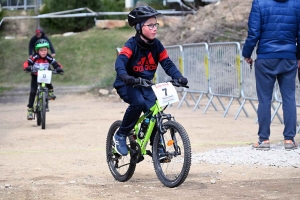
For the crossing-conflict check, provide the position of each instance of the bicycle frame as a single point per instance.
(38, 97)
(154, 111)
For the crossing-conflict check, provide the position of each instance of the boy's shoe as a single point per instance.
(264, 145)
(290, 145)
(120, 144)
(51, 95)
(30, 114)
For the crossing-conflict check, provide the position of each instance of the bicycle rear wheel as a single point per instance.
(43, 110)
(120, 167)
(174, 168)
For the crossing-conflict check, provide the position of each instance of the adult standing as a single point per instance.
(39, 34)
(274, 26)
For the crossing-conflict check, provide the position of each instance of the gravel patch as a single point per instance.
(277, 156)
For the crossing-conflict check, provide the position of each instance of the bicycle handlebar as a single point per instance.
(53, 71)
(146, 83)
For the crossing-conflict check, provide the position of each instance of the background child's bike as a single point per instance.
(41, 102)
(171, 149)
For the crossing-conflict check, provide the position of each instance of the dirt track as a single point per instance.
(67, 160)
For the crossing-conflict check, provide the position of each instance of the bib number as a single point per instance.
(44, 76)
(165, 93)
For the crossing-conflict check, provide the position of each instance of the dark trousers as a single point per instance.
(33, 89)
(139, 100)
(266, 73)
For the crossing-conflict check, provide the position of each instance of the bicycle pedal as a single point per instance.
(149, 153)
(165, 160)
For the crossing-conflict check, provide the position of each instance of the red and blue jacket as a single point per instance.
(143, 62)
(38, 62)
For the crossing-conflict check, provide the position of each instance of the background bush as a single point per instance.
(77, 24)
(74, 24)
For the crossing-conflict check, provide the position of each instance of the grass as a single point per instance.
(3, 89)
(87, 58)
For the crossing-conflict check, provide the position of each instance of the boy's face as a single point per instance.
(43, 52)
(149, 28)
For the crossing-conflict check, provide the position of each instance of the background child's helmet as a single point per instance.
(41, 43)
(141, 14)
(39, 30)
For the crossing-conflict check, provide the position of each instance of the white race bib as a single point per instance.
(44, 76)
(165, 93)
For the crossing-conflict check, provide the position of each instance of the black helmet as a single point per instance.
(140, 14)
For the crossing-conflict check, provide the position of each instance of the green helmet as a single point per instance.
(41, 43)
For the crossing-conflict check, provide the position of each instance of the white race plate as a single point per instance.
(44, 76)
(165, 93)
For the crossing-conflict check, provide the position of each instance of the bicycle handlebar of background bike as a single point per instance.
(53, 71)
(146, 83)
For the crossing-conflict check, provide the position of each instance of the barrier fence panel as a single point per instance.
(248, 87)
(224, 73)
(196, 69)
(175, 53)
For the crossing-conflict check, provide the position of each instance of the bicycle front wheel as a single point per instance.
(172, 155)
(38, 115)
(43, 110)
(120, 167)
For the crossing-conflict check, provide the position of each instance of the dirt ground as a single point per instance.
(67, 159)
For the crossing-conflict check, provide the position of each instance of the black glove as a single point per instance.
(182, 80)
(28, 69)
(59, 70)
(129, 80)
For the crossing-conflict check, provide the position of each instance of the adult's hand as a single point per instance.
(249, 61)
(53, 55)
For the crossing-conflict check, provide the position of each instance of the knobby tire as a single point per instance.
(38, 110)
(166, 171)
(43, 110)
(114, 160)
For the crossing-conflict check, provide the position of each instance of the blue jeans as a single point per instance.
(266, 73)
(139, 100)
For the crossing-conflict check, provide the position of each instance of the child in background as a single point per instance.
(40, 60)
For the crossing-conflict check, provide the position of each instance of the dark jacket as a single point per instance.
(275, 25)
(33, 41)
(143, 62)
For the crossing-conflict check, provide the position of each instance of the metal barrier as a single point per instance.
(176, 55)
(224, 73)
(196, 59)
(248, 86)
(25, 4)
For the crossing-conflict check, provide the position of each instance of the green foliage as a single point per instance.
(75, 24)
(112, 6)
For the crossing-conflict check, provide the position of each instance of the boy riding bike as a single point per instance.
(40, 60)
(139, 59)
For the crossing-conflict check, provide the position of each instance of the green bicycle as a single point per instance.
(173, 164)
(41, 101)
